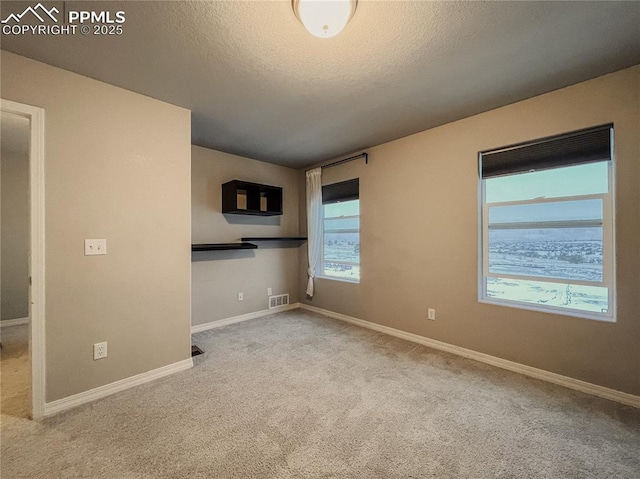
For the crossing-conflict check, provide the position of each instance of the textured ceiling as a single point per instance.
(260, 86)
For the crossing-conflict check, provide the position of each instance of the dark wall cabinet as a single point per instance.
(244, 198)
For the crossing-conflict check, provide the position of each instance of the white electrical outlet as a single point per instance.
(99, 350)
(431, 314)
(95, 246)
(269, 291)
(240, 296)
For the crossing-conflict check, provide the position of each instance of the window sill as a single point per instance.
(341, 280)
(541, 309)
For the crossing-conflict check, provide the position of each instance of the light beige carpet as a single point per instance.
(15, 399)
(297, 395)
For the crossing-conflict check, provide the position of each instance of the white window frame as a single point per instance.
(325, 275)
(608, 251)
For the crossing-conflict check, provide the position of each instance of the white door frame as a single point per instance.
(37, 250)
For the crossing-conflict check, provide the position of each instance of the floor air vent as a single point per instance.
(279, 300)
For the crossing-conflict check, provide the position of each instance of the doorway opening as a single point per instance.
(22, 260)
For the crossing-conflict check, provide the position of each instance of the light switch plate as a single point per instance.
(95, 246)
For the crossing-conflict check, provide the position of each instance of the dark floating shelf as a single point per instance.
(276, 238)
(222, 246)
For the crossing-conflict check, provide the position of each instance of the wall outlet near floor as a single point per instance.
(99, 350)
(240, 296)
(269, 291)
(431, 314)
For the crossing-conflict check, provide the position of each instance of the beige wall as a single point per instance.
(14, 215)
(218, 276)
(117, 166)
(419, 238)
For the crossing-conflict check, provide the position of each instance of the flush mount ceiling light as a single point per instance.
(324, 18)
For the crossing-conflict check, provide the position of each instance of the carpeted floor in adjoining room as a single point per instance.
(15, 376)
(298, 395)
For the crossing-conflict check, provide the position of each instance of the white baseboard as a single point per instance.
(13, 322)
(575, 384)
(243, 317)
(69, 402)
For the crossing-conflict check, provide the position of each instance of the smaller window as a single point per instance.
(341, 230)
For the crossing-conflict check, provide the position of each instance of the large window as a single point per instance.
(547, 225)
(341, 230)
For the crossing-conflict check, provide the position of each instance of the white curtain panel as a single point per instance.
(314, 224)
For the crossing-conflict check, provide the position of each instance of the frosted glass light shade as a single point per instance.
(324, 18)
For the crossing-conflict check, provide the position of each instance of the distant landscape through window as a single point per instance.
(341, 255)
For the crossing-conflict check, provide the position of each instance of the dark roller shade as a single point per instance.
(584, 146)
(343, 191)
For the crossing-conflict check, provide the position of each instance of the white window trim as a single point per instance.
(608, 252)
(339, 278)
